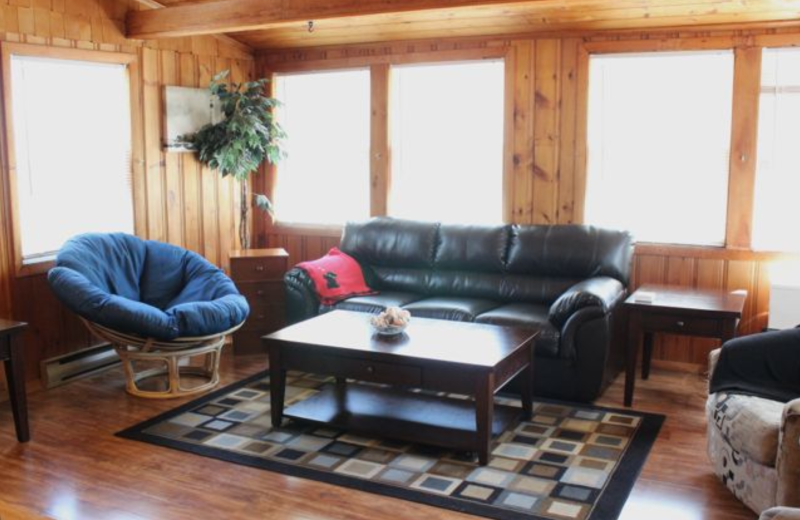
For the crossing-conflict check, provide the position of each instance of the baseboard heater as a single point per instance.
(77, 365)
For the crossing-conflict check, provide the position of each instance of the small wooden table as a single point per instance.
(11, 352)
(443, 356)
(677, 310)
(258, 274)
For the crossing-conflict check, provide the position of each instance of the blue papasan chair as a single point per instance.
(161, 307)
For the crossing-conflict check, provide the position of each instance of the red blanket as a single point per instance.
(337, 276)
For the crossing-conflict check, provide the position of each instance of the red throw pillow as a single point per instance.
(337, 276)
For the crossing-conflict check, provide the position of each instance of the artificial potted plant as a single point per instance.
(247, 135)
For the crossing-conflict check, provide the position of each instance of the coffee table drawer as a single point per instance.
(681, 324)
(353, 368)
(391, 374)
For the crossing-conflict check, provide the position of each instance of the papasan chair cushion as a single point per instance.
(146, 288)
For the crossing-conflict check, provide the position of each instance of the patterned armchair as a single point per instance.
(754, 446)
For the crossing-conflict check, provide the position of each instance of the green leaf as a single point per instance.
(247, 136)
(263, 203)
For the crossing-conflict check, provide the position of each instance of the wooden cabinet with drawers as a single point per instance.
(258, 274)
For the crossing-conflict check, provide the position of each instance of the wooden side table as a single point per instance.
(258, 274)
(11, 352)
(677, 310)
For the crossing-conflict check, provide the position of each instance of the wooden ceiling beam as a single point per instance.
(153, 5)
(231, 16)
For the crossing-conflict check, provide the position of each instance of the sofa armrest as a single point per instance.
(788, 463)
(601, 292)
(301, 296)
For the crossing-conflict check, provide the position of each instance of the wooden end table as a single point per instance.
(11, 352)
(677, 310)
(444, 356)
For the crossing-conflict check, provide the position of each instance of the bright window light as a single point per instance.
(72, 148)
(325, 178)
(447, 142)
(658, 145)
(778, 166)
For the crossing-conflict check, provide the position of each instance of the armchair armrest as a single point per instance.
(780, 513)
(301, 297)
(788, 463)
(601, 292)
(713, 358)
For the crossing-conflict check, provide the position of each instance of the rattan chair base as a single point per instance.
(175, 356)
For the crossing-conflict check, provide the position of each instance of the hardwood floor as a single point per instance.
(74, 468)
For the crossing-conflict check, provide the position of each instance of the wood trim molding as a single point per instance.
(582, 131)
(744, 145)
(710, 253)
(380, 139)
(363, 61)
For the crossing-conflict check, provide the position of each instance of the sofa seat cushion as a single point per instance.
(378, 302)
(446, 308)
(527, 315)
(751, 425)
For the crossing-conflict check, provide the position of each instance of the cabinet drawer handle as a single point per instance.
(681, 324)
(260, 292)
(260, 316)
(370, 370)
(259, 268)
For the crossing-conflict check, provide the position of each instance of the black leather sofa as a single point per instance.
(567, 281)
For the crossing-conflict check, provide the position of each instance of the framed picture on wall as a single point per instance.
(187, 111)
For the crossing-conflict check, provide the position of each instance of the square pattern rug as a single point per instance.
(570, 461)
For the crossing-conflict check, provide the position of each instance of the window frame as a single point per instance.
(744, 130)
(29, 267)
(380, 126)
(639, 51)
(505, 210)
(306, 227)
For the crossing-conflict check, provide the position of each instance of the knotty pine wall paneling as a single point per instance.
(176, 200)
(545, 182)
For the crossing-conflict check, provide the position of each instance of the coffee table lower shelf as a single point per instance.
(400, 415)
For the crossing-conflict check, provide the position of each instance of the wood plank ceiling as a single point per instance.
(271, 24)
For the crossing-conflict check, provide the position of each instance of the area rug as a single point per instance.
(570, 461)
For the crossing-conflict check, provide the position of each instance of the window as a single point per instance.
(778, 166)
(658, 145)
(71, 131)
(447, 142)
(325, 178)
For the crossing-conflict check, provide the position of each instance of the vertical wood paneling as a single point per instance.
(380, 159)
(154, 174)
(523, 117)
(565, 208)
(546, 95)
(173, 176)
(209, 217)
(192, 201)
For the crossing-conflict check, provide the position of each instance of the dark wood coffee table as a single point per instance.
(438, 355)
(677, 310)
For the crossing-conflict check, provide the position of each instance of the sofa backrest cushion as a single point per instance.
(506, 263)
(570, 251)
(389, 242)
(472, 248)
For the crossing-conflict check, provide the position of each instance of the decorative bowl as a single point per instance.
(391, 322)
(389, 330)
